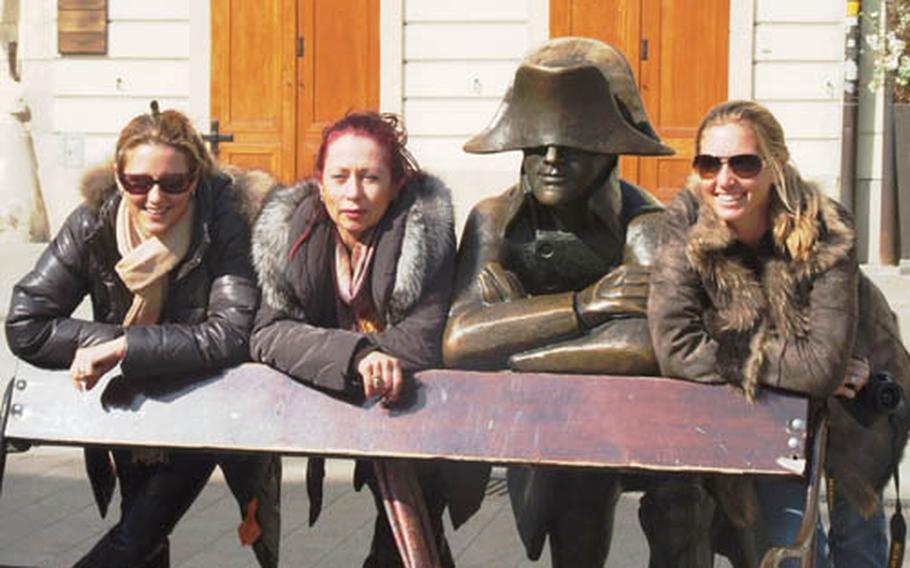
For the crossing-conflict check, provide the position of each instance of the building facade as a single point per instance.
(444, 67)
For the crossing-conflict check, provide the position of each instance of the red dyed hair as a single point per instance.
(386, 129)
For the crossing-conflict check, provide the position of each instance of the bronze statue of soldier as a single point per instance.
(552, 277)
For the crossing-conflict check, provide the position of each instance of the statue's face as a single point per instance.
(559, 175)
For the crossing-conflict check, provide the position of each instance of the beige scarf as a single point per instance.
(144, 265)
(147, 260)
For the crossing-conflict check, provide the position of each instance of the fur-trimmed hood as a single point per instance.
(97, 185)
(789, 314)
(751, 301)
(428, 238)
(710, 240)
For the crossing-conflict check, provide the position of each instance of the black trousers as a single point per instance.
(574, 507)
(153, 498)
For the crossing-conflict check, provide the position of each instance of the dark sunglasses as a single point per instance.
(743, 165)
(140, 184)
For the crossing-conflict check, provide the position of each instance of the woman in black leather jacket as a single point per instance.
(161, 246)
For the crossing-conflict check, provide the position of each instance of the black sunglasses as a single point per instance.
(743, 165)
(140, 184)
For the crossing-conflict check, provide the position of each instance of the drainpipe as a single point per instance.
(851, 104)
(888, 231)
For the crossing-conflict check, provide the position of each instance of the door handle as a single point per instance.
(214, 138)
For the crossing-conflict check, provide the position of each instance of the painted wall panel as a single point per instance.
(799, 42)
(37, 29)
(157, 10)
(799, 10)
(472, 79)
(99, 148)
(817, 159)
(813, 119)
(468, 40)
(103, 115)
(107, 77)
(461, 117)
(798, 81)
(444, 152)
(146, 39)
(466, 10)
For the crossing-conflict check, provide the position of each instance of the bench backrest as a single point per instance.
(641, 423)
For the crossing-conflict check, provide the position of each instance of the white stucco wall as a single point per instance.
(445, 66)
(457, 61)
(79, 103)
(798, 73)
(799, 53)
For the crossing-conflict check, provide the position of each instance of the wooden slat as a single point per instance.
(82, 27)
(82, 43)
(621, 422)
(82, 21)
(81, 4)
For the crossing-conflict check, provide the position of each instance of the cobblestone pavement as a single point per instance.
(48, 518)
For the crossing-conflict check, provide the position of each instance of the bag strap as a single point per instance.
(898, 526)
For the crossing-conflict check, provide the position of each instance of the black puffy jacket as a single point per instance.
(205, 322)
(211, 297)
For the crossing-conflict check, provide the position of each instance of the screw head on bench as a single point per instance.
(796, 425)
(793, 442)
(16, 410)
(20, 384)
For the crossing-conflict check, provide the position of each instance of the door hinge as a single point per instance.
(299, 46)
(644, 49)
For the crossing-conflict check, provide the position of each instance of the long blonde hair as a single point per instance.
(795, 202)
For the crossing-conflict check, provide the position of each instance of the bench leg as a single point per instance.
(804, 547)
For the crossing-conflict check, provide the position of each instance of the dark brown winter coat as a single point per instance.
(296, 330)
(721, 312)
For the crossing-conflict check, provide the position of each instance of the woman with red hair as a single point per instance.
(355, 267)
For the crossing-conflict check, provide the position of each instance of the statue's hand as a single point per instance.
(499, 285)
(622, 291)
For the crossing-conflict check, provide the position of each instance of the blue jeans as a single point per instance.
(855, 542)
(781, 504)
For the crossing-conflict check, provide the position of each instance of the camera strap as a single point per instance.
(898, 526)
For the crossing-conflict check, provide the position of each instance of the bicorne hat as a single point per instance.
(575, 92)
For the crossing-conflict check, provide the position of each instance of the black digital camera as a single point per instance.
(881, 396)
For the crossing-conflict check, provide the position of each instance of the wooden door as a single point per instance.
(282, 69)
(253, 83)
(340, 68)
(678, 51)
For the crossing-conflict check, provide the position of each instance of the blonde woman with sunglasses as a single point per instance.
(162, 248)
(757, 285)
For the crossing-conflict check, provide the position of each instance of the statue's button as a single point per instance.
(545, 250)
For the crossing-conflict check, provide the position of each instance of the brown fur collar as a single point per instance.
(97, 185)
(749, 302)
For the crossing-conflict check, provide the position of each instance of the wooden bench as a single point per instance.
(640, 424)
